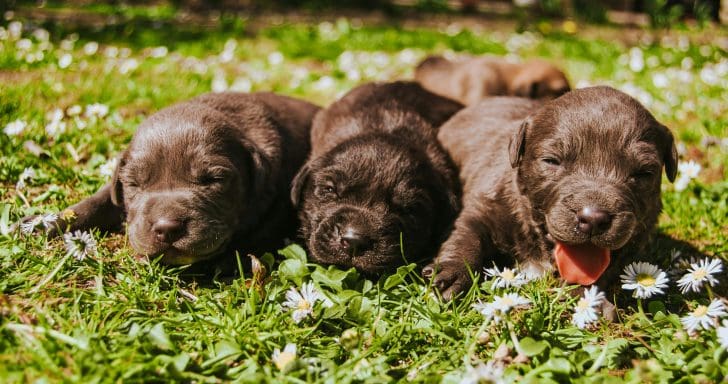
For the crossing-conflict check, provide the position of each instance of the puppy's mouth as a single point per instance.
(375, 260)
(173, 254)
(581, 264)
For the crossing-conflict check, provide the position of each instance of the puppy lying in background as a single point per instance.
(378, 188)
(205, 177)
(575, 182)
(472, 79)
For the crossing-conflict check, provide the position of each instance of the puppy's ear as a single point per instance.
(525, 88)
(117, 188)
(299, 181)
(669, 151)
(518, 143)
(259, 167)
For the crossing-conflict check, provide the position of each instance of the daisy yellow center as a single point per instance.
(645, 280)
(304, 305)
(284, 359)
(508, 301)
(700, 311)
(699, 274)
(582, 304)
(508, 274)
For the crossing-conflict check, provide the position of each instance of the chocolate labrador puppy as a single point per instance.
(472, 79)
(575, 181)
(378, 188)
(205, 177)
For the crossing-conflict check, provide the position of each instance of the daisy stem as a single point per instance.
(710, 292)
(516, 344)
(21, 195)
(473, 344)
(51, 275)
(639, 308)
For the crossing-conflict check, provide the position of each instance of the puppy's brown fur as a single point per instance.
(472, 79)
(205, 177)
(378, 185)
(593, 147)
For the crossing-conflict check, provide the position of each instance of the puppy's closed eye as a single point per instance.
(216, 176)
(551, 161)
(642, 174)
(326, 191)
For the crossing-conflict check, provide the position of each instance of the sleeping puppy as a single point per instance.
(204, 178)
(574, 182)
(472, 79)
(378, 188)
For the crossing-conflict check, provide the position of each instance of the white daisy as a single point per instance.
(29, 226)
(500, 305)
(325, 83)
(90, 48)
(700, 273)
(488, 372)
(80, 244)
(97, 110)
(722, 333)
(704, 316)
(489, 311)
(535, 269)
(645, 279)
(49, 220)
(65, 60)
(27, 175)
(241, 84)
(107, 169)
(127, 66)
(302, 302)
(506, 278)
(585, 310)
(689, 169)
(219, 83)
(15, 28)
(15, 128)
(74, 110)
(282, 359)
(275, 58)
(55, 128)
(510, 300)
(681, 183)
(158, 52)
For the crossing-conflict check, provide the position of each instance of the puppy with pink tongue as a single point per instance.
(573, 182)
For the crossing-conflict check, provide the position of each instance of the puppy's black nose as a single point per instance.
(592, 221)
(353, 240)
(167, 230)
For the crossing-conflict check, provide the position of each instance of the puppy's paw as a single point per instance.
(450, 278)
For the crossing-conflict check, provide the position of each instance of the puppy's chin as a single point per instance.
(181, 252)
(172, 256)
(380, 258)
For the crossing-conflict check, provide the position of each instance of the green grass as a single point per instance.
(114, 318)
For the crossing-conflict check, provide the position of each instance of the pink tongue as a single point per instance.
(581, 264)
